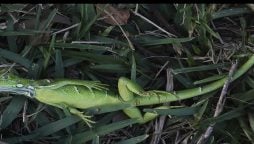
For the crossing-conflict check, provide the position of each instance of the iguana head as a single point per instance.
(10, 83)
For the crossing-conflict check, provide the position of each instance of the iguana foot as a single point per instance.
(85, 118)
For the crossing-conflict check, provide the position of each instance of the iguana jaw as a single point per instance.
(29, 92)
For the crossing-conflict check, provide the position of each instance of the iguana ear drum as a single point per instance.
(30, 92)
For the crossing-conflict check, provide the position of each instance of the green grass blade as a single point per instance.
(133, 67)
(134, 140)
(88, 18)
(46, 23)
(11, 39)
(96, 140)
(200, 68)
(230, 12)
(46, 130)
(107, 40)
(209, 79)
(250, 82)
(56, 126)
(12, 110)
(246, 129)
(151, 42)
(185, 111)
(37, 19)
(201, 111)
(21, 33)
(92, 57)
(102, 130)
(245, 96)
(110, 68)
(81, 46)
(47, 52)
(2, 99)
(59, 68)
(237, 112)
(251, 120)
(15, 58)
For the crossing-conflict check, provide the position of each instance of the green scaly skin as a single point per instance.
(79, 94)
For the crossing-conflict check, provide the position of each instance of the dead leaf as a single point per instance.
(120, 16)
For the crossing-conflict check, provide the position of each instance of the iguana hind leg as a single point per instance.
(126, 89)
(135, 113)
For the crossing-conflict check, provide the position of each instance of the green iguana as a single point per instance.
(78, 94)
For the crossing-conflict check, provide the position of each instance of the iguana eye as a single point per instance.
(19, 85)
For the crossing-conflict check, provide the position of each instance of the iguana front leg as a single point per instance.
(85, 118)
(80, 114)
(127, 89)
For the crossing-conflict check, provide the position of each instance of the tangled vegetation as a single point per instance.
(166, 47)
